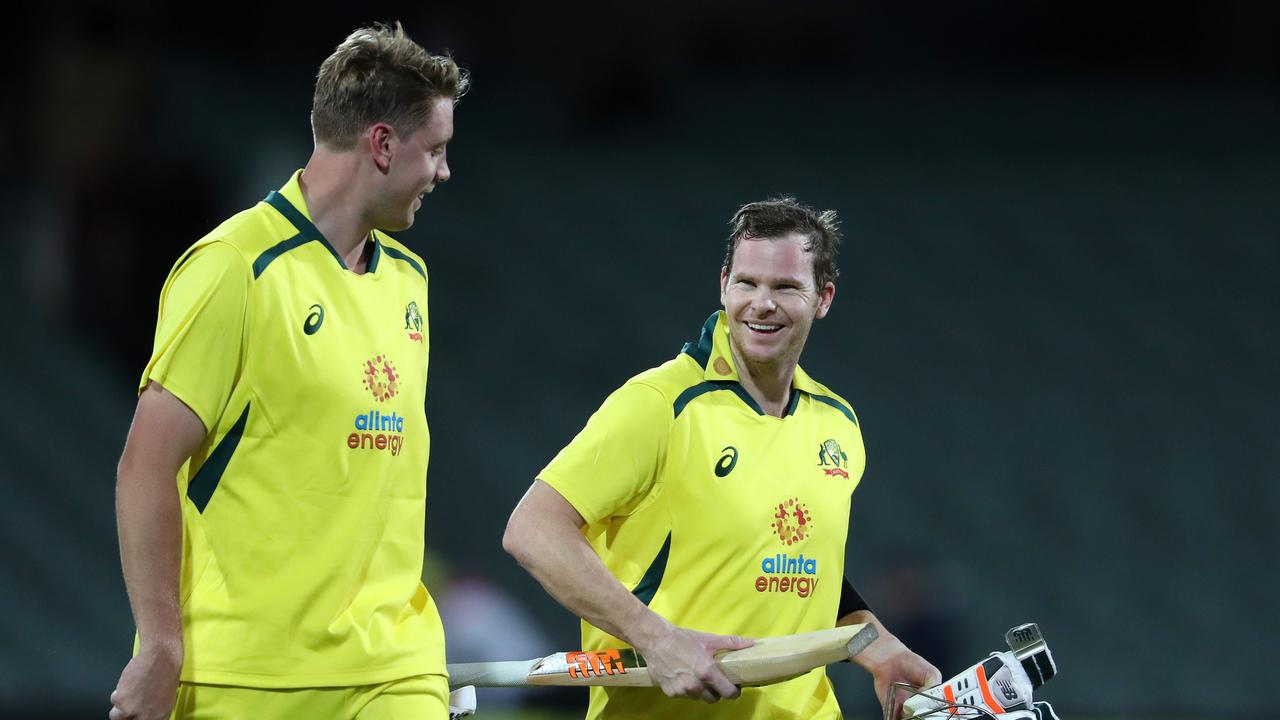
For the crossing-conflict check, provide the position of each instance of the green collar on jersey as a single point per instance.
(711, 352)
(307, 232)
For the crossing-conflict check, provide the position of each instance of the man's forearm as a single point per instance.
(889, 662)
(565, 564)
(149, 520)
(164, 435)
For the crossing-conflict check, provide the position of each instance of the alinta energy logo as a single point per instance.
(782, 572)
(381, 378)
(792, 521)
(376, 430)
(829, 453)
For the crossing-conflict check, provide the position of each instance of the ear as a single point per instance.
(380, 139)
(724, 283)
(825, 297)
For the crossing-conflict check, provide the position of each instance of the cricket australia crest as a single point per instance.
(832, 459)
(413, 321)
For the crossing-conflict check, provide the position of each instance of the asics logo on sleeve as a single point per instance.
(314, 320)
(727, 461)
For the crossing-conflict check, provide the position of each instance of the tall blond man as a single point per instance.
(707, 501)
(271, 497)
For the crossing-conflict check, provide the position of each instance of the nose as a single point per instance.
(765, 301)
(442, 170)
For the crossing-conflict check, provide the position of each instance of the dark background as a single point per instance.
(1056, 318)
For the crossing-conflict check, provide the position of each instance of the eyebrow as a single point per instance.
(779, 280)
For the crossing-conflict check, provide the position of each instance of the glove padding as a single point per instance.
(1039, 711)
(462, 702)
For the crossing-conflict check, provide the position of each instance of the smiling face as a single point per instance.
(771, 300)
(415, 164)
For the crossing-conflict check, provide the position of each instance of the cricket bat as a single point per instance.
(770, 660)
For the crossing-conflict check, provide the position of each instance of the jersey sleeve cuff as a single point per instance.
(567, 491)
(176, 389)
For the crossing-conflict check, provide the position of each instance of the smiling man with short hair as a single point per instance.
(272, 492)
(690, 515)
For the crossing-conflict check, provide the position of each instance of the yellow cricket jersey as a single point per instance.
(721, 518)
(303, 511)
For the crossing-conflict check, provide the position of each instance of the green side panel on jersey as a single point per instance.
(648, 585)
(201, 487)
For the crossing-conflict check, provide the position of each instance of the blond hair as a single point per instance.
(378, 75)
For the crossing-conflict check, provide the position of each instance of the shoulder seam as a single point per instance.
(652, 386)
(209, 242)
(663, 396)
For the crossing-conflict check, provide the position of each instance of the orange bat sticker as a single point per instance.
(585, 663)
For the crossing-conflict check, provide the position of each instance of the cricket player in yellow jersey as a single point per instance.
(707, 501)
(279, 576)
